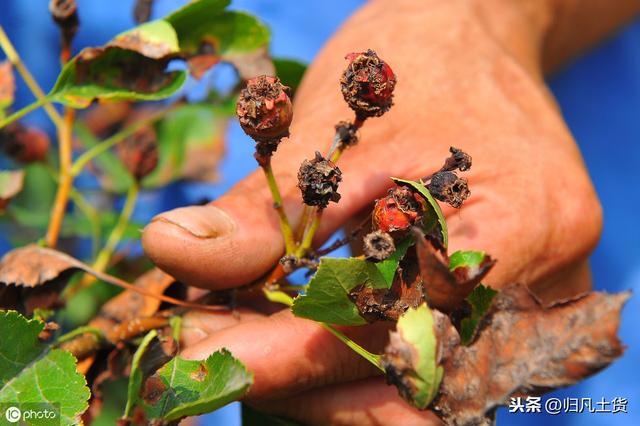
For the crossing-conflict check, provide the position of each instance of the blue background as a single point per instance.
(599, 95)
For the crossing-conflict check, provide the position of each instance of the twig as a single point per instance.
(65, 180)
(102, 260)
(31, 83)
(285, 226)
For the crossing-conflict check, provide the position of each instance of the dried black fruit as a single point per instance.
(142, 10)
(65, 15)
(448, 187)
(346, 133)
(459, 160)
(378, 246)
(23, 144)
(318, 181)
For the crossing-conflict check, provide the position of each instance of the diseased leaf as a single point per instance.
(524, 348)
(148, 358)
(480, 301)
(446, 285)
(209, 34)
(188, 388)
(327, 297)
(436, 220)
(30, 373)
(11, 182)
(411, 359)
(129, 304)
(131, 66)
(290, 72)
(388, 304)
(7, 86)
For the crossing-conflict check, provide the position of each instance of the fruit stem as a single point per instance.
(313, 214)
(103, 258)
(310, 232)
(92, 216)
(285, 299)
(372, 358)
(65, 179)
(285, 227)
(85, 329)
(116, 138)
(31, 83)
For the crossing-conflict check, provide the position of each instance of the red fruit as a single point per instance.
(24, 144)
(398, 211)
(367, 84)
(264, 109)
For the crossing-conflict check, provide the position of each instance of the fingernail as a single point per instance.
(200, 221)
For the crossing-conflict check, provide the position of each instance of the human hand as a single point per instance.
(463, 80)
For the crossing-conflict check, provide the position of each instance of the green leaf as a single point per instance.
(389, 266)
(480, 300)
(437, 218)
(290, 72)
(204, 22)
(327, 297)
(209, 34)
(130, 67)
(136, 376)
(466, 259)
(189, 388)
(411, 357)
(190, 144)
(182, 17)
(30, 373)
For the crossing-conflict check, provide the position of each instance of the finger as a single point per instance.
(364, 402)
(288, 355)
(198, 325)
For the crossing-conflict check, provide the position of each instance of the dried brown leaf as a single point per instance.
(10, 185)
(129, 304)
(31, 266)
(7, 85)
(446, 290)
(525, 348)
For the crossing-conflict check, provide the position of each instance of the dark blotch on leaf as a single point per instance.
(201, 373)
(153, 390)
